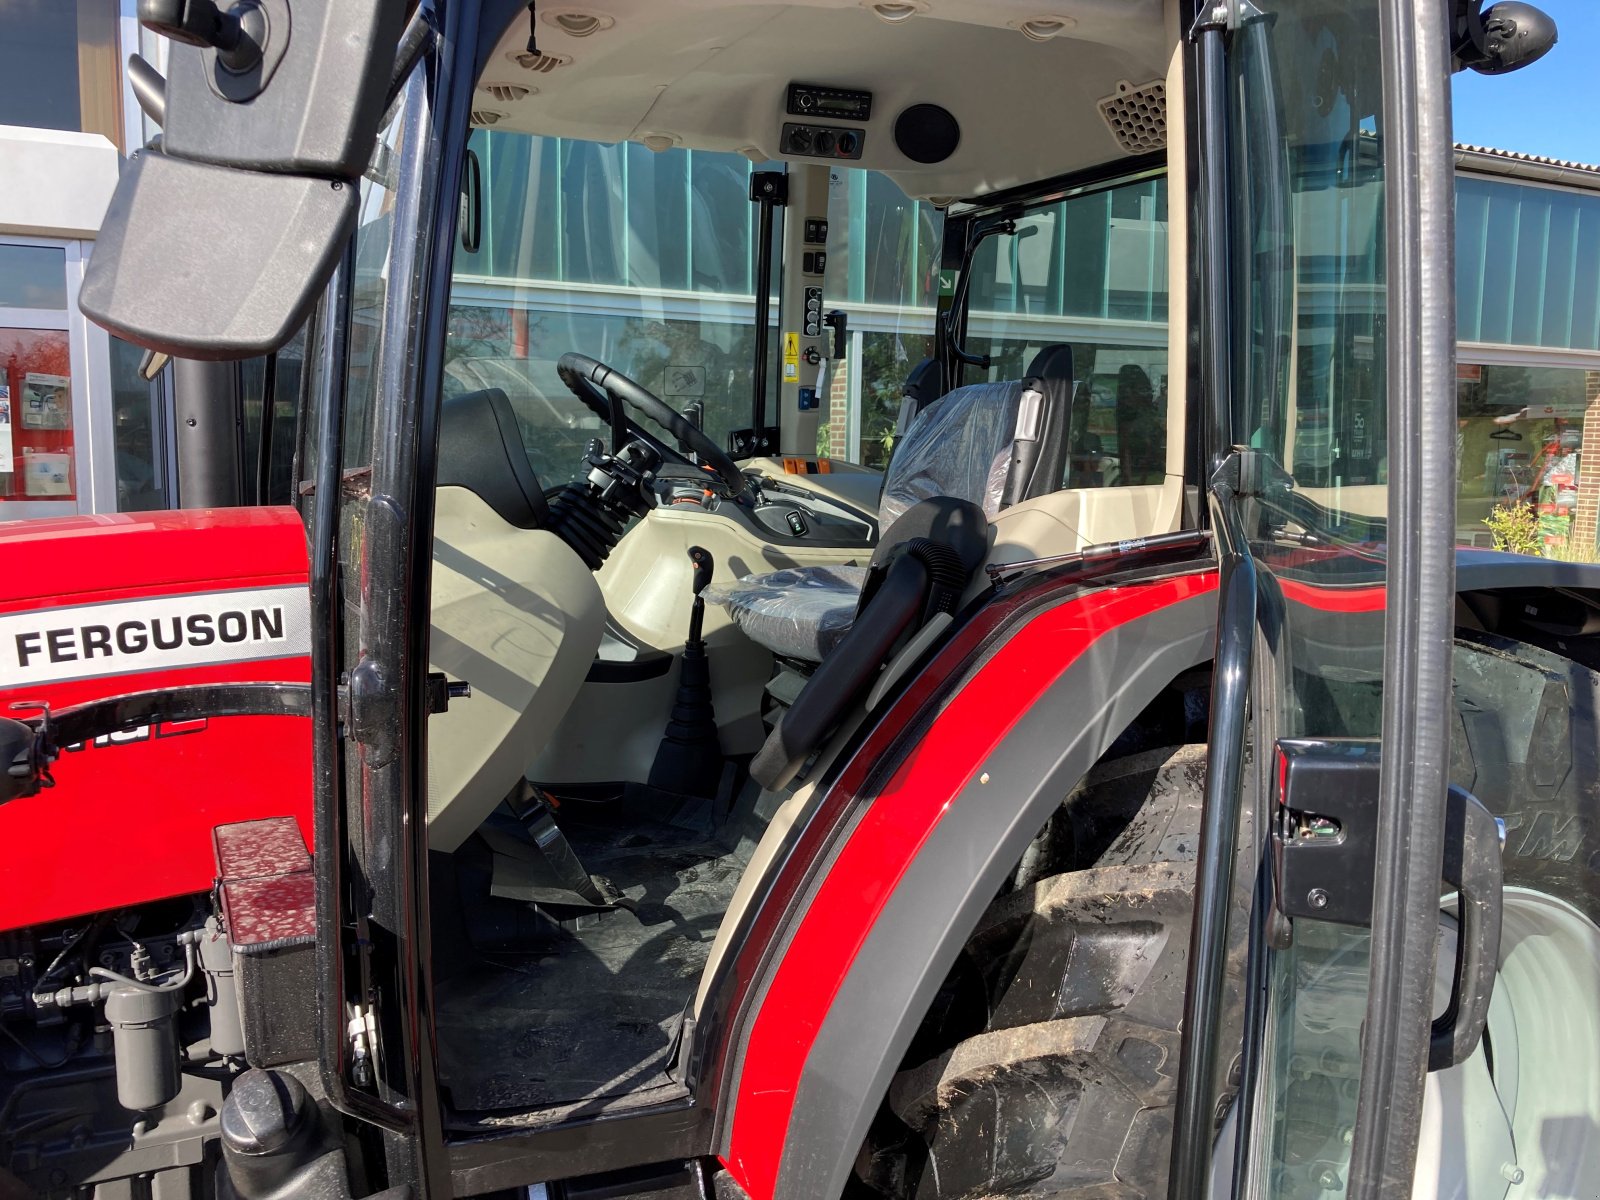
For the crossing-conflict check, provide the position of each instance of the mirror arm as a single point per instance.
(149, 89)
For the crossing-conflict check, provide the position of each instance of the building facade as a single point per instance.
(80, 431)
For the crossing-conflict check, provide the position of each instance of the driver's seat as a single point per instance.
(515, 613)
(991, 445)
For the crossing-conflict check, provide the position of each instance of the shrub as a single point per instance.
(1515, 528)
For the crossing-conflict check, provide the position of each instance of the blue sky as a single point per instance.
(1549, 108)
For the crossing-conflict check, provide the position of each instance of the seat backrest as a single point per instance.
(1051, 372)
(514, 612)
(959, 446)
(990, 443)
(481, 449)
(922, 388)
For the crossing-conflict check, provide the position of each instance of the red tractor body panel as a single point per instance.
(99, 606)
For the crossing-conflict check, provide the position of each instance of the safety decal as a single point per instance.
(791, 357)
(160, 634)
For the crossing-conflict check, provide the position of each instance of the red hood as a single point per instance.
(50, 558)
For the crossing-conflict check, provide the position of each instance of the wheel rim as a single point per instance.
(1521, 1117)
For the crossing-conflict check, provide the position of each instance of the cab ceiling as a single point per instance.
(712, 75)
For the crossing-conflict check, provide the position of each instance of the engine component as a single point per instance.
(269, 1131)
(222, 992)
(145, 1034)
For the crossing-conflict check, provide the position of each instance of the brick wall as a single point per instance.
(838, 416)
(1586, 522)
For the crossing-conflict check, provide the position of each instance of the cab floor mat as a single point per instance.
(592, 1017)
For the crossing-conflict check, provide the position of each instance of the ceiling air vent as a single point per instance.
(542, 63)
(507, 93)
(486, 117)
(1137, 116)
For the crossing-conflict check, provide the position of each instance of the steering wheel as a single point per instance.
(591, 381)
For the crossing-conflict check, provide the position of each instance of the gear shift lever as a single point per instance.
(703, 566)
(689, 759)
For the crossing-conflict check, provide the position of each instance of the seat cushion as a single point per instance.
(799, 612)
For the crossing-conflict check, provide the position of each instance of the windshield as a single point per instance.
(646, 261)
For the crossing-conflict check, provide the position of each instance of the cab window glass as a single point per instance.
(1090, 271)
(641, 259)
(883, 269)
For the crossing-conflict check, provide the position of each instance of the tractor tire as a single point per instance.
(1047, 1064)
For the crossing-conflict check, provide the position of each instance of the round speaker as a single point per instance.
(926, 133)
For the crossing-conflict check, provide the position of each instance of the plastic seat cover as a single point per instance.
(960, 445)
(799, 612)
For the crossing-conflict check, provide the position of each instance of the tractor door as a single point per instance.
(1327, 200)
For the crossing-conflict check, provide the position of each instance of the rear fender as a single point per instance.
(908, 847)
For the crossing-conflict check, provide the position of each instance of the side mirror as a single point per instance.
(216, 244)
(471, 203)
(1506, 37)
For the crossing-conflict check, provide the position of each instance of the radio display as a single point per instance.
(810, 99)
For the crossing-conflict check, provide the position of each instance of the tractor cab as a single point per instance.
(798, 498)
(723, 456)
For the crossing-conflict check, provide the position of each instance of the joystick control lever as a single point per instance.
(689, 758)
(703, 566)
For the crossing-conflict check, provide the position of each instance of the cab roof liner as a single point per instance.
(1024, 84)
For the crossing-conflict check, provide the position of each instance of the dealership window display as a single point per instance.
(36, 434)
(1519, 442)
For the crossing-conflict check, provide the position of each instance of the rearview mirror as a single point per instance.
(216, 245)
(471, 203)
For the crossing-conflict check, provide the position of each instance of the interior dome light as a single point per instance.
(659, 141)
(1042, 29)
(895, 11)
(577, 23)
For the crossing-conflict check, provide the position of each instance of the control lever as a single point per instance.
(689, 759)
(703, 566)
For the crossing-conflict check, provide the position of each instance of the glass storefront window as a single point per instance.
(1519, 442)
(33, 277)
(137, 421)
(36, 434)
(59, 66)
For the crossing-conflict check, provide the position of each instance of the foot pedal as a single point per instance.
(534, 862)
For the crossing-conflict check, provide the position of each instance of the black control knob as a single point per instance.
(703, 566)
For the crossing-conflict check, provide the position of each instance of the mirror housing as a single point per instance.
(1503, 38)
(21, 760)
(216, 244)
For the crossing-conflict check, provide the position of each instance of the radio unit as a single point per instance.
(839, 104)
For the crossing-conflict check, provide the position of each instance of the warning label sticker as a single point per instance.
(162, 634)
(791, 358)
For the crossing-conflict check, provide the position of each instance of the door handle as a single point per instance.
(1472, 847)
